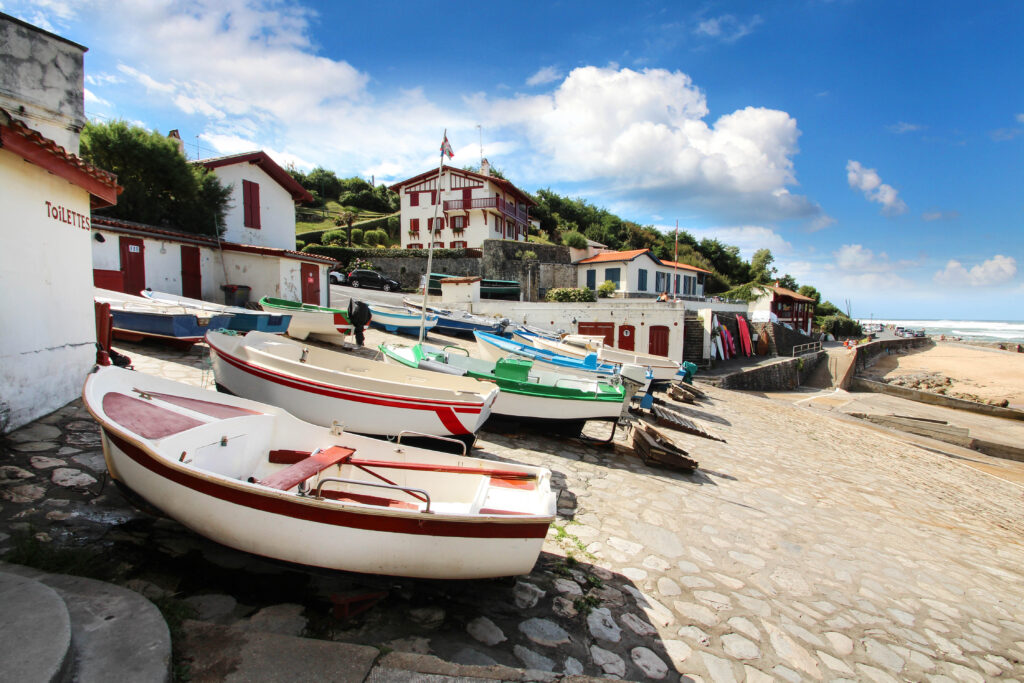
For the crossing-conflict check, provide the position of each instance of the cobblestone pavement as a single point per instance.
(805, 548)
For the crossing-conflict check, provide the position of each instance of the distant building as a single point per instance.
(639, 273)
(46, 191)
(470, 207)
(790, 308)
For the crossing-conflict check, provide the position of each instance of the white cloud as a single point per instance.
(857, 259)
(936, 215)
(92, 98)
(904, 127)
(645, 131)
(870, 183)
(727, 27)
(547, 74)
(996, 271)
(749, 238)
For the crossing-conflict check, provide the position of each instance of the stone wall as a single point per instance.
(782, 375)
(785, 338)
(409, 270)
(861, 384)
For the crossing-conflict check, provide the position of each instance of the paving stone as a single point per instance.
(963, 673)
(92, 461)
(533, 660)
(746, 627)
(635, 574)
(564, 608)
(696, 582)
(881, 654)
(414, 644)
(214, 607)
(677, 651)
(609, 662)
(668, 587)
(544, 632)
(34, 446)
(870, 673)
(637, 625)
(715, 600)
(472, 657)
(802, 633)
(738, 647)
(728, 581)
(842, 644)
(486, 631)
(648, 662)
(41, 462)
(701, 556)
(834, 664)
(657, 613)
(35, 431)
(284, 619)
(428, 617)
(602, 625)
(573, 666)
(759, 607)
(792, 653)
(608, 595)
(687, 567)
(787, 674)
(657, 538)
(696, 635)
(989, 668)
(747, 559)
(526, 594)
(26, 493)
(9, 473)
(694, 612)
(720, 670)
(624, 546)
(567, 587)
(790, 581)
(752, 675)
(70, 477)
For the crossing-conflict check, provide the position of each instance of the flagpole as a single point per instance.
(675, 264)
(430, 246)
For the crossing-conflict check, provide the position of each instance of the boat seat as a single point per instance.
(298, 472)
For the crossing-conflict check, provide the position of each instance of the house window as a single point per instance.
(458, 244)
(438, 245)
(613, 275)
(467, 197)
(414, 245)
(641, 285)
(251, 204)
(659, 283)
(591, 278)
(676, 290)
(414, 199)
(414, 225)
(458, 222)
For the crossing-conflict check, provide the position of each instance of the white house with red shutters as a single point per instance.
(48, 328)
(461, 211)
(256, 250)
(639, 273)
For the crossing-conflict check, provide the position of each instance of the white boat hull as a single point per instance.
(329, 327)
(526, 407)
(661, 368)
(210, 471)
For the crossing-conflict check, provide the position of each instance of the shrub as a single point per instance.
(334, 237)
(370, 238)
(347, 254)
(299, 244)
(840, 326)
(529, 255)
(606, 288)
(357, 235)
(571, 294)
(574, 239)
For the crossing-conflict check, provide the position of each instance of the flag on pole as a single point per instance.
(446, 148)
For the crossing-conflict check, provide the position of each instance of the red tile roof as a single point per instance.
(782, 291)
(34, 147)
(615, 256)
(269, 166)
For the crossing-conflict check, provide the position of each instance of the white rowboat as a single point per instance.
(253, 477)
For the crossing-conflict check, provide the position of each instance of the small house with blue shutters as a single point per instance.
(639, 273)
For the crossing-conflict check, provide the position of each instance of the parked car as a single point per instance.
(371, 278)
(337, 277)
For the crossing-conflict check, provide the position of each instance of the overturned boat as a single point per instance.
(327, 324)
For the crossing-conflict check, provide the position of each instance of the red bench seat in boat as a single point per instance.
(302, 470)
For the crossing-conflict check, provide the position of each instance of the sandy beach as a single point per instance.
(984, 372)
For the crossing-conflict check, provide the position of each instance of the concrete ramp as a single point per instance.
(836, 371)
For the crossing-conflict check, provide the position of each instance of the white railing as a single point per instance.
(801, 349)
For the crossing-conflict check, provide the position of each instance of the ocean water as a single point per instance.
(977, 330)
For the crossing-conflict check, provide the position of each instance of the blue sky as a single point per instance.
(877, 148)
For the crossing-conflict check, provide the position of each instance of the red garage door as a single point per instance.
(606, 330)
(658, 340)
(627, 337)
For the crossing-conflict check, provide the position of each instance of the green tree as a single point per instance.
(789, 282)
(160, 186)
(810, 292)
(325, 182)
(574, 239)
(761, 269)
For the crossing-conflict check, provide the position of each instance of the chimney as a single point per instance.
(174, 135)
(485, 167)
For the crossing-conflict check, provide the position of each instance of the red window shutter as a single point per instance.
(467, 196)
(251, 204)
(414, 199)
(414, 224)
(430, 224)
(246, 204)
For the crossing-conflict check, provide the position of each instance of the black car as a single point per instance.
(371, 278)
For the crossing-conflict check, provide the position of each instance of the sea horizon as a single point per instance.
(977, 330)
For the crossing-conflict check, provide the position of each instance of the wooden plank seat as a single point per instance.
(312, 464)
(290, 457)
(350, 497)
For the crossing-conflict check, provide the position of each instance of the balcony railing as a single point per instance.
(507, 208)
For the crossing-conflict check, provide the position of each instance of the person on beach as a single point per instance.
(663, 297)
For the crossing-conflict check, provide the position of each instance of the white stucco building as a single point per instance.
(469, 208)
(639, 273)
(48, 339)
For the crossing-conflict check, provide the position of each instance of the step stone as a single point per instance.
(35, 631)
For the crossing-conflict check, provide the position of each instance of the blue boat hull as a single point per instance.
(172, 327)
(256, 322)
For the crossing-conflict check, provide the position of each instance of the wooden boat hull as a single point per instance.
(459, 322)
(241, 320)
(328, 324)
(179, 328)
(206, 487)
(354, 399)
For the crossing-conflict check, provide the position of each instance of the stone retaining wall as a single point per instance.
(861, 384)
(785, 374)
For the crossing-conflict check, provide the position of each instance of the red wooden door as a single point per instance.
(133, 264)
(627, 337)
(657, 343)
(606, 330)
(310, 274)
(191, 276)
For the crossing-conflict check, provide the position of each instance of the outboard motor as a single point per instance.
(359, 316)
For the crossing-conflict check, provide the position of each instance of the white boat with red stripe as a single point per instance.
(366, 396)
(252, 477)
